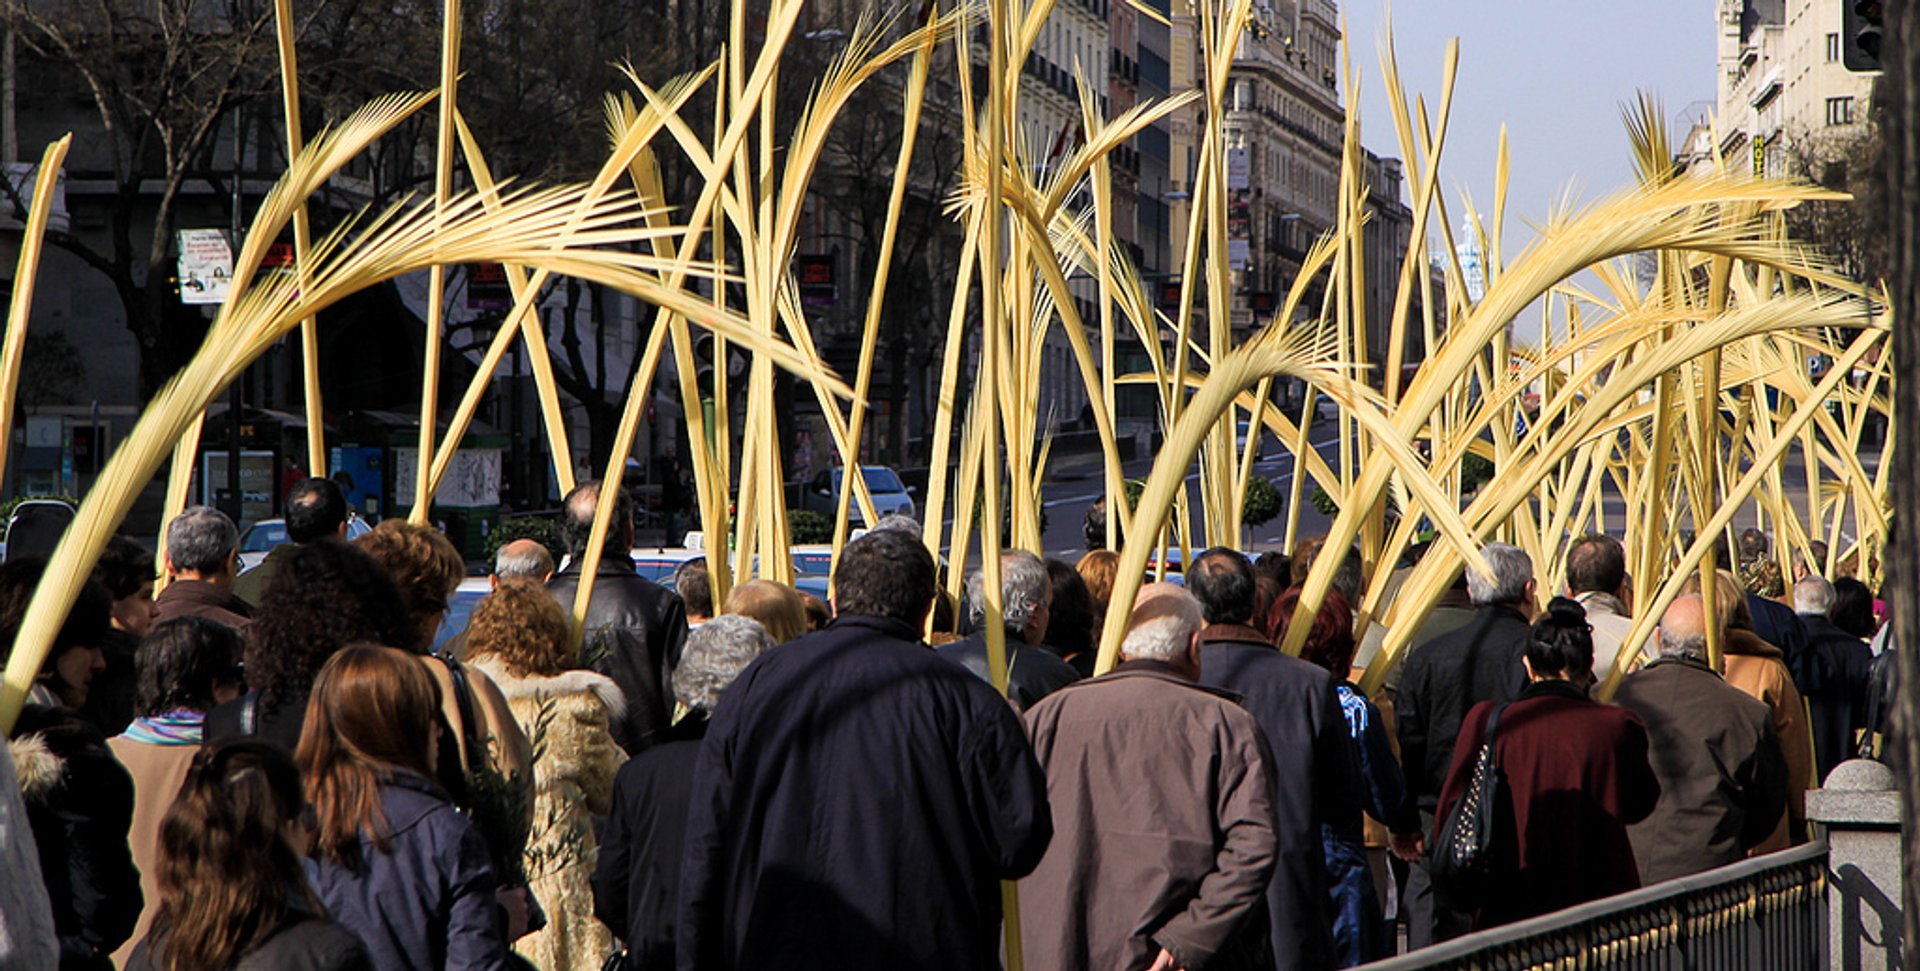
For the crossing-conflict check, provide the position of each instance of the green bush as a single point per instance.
(806, 527)
(1262, 503)
(544, 531)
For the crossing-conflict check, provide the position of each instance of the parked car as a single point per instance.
(256, 540)
(890, 495)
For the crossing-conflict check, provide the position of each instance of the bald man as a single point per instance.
(523, 560)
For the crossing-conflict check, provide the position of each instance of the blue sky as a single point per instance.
(1554, 71)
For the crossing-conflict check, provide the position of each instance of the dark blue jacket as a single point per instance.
(855, 804)
(1839, 669)
(1033, 673)
(427, 903)
(1315, 771)
(636, 883)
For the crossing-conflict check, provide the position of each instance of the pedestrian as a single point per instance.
(1479, 661)
(522, 561)
(394, 861)
(1723, 781)
(690, 581)
(316, 509)
(1834, 674)
(634, 627)
(27, 938)
(126, 570)
(1073, 626)
(1360, 929)
(202, 561)
(327, 595)
(1026, 598)
(636, 883)
(1574, 775)
(1597, 581)
(75, 659)
(186, 667)
(1175, 881)
(519, 639)
(1316, 772)
(776, 606)
(857, 800)
(234, 894)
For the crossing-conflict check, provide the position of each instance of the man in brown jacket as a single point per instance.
(1162, 812)
(202, 560)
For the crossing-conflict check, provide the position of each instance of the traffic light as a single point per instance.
(1862, 25)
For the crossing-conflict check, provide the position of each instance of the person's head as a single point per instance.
(1812, 594)
(523, 627)
(691, 582)
(716, 652)
(576, 523)
(900, 521)
(228, 856)
(1561, 648)
(1813, 561)
(1221, 580)
(1683, 628)
(818, 614)
(1730, 602)
(1853, 607)
(126, 570)
(776, 606)
(425, 568)
(372, 712)
(1099, 568)
(1300, 559)
(884, 574)
(1753, 545)
(1265, 591)
(1510, 584)
(189, 663)
(522, 561)
(75, 655)
(202, 544)
(1275, 564)
(1329, 642)
(316, 509)
(1026, 596)
(1596, 563)
(1071, 621)
(326, 595)
(1165, 626)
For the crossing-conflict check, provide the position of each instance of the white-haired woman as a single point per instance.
(635, 884)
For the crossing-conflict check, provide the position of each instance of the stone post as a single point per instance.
(1859, 812)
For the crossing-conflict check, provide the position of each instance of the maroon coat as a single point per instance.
(1575, 775)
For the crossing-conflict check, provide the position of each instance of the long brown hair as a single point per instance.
(371, 713)
(225, 867)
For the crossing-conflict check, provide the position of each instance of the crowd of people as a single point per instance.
(278, 769)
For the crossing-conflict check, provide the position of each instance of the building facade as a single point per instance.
(1785, 100)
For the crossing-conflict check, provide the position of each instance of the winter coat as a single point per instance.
(1443, 678)
(1316, 775)
(158, 772)
(635, 629)
(303, 943)
(1360, 930)
(1777, 624)
(1757, 668)
(855, 804)
(1125, 876)
(1033, 672)
(1575, 775)
(1836, 673)
(79, 803)
(572, 786)
(1723, 782)
(427, 902)
(27, 939)
(636, 884)
(199, 598)
(1611, 624)
(109, 705)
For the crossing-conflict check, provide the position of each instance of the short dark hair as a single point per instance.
(576, 521)
(1222, 580)
(315, 508)
(1274, 563)
(695, 588)
(1852, 607)
(885, 573)
(181, 662)
(1596, 563)
(1562, 641)
(124, 567)
(1071, 621)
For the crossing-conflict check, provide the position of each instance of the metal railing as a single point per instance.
(1768, 912)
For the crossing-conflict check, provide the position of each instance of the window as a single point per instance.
(1839, 111)
(1833, 48)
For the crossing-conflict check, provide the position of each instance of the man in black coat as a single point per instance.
(1439, 681)
(1316, 770)
(1833, 676)
(857, 799)
(635, 627)
(1026, 599)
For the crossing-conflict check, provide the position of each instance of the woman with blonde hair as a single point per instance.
(1099, 568)
(776, 606)
(395, 862)
(518, 637)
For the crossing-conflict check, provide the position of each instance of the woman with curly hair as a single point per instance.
(327, 595)
(233, 892)
(518, 636)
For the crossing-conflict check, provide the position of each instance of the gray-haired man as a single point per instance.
(1026, 597)
(201, 561)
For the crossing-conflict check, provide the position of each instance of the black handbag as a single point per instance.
(1461, 862)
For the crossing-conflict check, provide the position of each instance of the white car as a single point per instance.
(890, 495)
(256, 540)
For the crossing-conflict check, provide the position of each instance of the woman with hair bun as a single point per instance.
(233, 892)
(1574, 776)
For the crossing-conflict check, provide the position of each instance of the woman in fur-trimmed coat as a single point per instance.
(518, 637)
